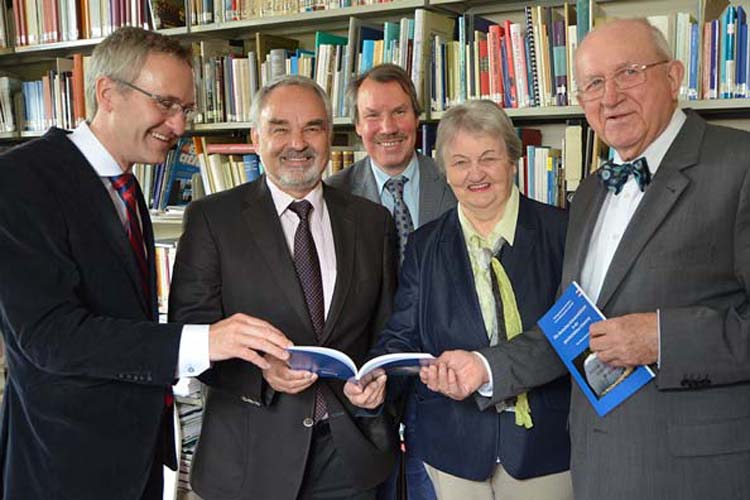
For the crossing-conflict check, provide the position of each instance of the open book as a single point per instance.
(331, 363)
(566, 325)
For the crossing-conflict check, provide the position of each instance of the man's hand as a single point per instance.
(368, 393)
(244, 337)
(628, 340)
(283, 379)
(456, 374)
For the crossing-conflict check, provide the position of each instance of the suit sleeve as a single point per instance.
(528, 360)
(45, 302)
(711, 345)
(196, 297)
(520, 365)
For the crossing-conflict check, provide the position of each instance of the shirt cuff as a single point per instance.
(486, 389)
(193, 357)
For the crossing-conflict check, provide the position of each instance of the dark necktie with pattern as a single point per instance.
(614, 175)
(308, 272)
(401, 215)
(127, 188)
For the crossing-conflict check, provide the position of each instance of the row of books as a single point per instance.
(715, 53)
(171, 13)
(49, 21)
(57, 99)
(38, 22)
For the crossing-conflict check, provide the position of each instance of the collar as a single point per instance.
(94, 151)
(656, 151)
(381, 177)
(505, 227)
(281, 200)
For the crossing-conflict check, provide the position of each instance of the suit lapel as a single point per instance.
(516, 259)
(343, 228)
(661, 195)
(453, 251)
(99, 205)
(267, 236)
(430, 192)
(363, 181)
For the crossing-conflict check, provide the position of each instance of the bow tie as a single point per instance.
(614, 175)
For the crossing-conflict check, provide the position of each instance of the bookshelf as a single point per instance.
(28, 61)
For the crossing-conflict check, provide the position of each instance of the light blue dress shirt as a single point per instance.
(411, 188)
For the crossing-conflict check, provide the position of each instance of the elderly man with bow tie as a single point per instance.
(660, 239)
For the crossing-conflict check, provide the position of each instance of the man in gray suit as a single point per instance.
(385, 111)
(665, 253)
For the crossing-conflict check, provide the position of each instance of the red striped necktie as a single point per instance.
(127, 187)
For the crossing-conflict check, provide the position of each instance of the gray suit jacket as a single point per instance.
(435, 197)
(686, 252)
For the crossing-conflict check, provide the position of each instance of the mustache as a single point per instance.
(293, 154)
(398, 136)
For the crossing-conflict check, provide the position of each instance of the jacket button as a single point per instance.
(308, 422)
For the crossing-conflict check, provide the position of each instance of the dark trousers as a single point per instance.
(409, 480)
(164, 453)
(155, 484)
(325, 476)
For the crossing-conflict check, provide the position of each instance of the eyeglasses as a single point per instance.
(628, 77)
(168, 105)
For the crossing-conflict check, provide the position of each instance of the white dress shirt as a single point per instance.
(617, 211)
(193, 356)
(320, 227)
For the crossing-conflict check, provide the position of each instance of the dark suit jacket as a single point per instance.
(87, 366)
(435, 197)
(685, 252)
(233, 258)
(437, 309)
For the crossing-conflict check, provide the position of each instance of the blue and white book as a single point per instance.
(566, 326)
(331, 363)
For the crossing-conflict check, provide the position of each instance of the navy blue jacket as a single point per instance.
(436, 309)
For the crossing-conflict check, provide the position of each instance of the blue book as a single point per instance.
(367, 55)
(694, 63)
(185, 163)
(508, 100)
(740, 89)
(566, 326)
(331, 363)
(530, 167)
(727, 57)
(251, 163)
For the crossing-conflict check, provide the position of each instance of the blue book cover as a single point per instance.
(252, 166)
(508, 101)
(530, 167)
(740, 89)
(367, 55)
(180, 184)
(331, 363)
(727, 64)
(566, 326)
(694, 62)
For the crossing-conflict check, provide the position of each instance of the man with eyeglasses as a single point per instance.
(660, 239)
(87, 412)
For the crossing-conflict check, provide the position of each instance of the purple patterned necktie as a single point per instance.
(401, 215)
(308, 272)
